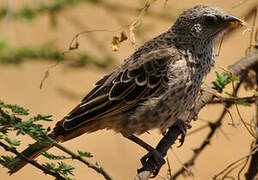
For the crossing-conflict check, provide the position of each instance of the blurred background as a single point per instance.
(34, 34)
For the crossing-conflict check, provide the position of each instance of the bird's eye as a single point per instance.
(210, 19)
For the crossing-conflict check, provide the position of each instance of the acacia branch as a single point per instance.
(32, 162)
(252, 171)
(248, 99)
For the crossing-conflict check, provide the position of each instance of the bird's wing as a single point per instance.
(121, 90)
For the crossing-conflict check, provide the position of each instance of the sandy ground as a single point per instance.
(20, 84)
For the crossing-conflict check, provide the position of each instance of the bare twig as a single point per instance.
(248, 99)
(74, 44)
(243, 167)
(239, 114)
(137, 22)
(46, 74)
(118, 8)
(233, 163)
(252, 171)
(226, 176)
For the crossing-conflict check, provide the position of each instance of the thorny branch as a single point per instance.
(248, 99)
(252, 171)
(32, 162)
(231, 164)
(237, 69)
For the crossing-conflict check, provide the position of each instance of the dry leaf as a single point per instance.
(116, 41)
(46, 74)
(123, 37)
(132, 27)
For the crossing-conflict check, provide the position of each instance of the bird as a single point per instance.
(152, 88)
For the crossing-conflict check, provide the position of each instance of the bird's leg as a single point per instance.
(152, 152)
(182, 125)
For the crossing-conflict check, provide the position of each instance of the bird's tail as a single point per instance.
(32, 152)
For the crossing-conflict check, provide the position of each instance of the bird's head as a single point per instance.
(204, 23)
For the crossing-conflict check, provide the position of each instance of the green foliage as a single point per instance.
(222, 80)
(17, 110)
(10, 121)
(28, 13)
(85, 154)
(61, 168)
(239, 101)
(51, 53)
(6, 160)
(242, 102)
(204, 84)
(228, 93)
(236, 79)
(13, 142)
(3, 44)
(53, 157)
(29, 127)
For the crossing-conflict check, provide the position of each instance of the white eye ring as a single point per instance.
(196, 30)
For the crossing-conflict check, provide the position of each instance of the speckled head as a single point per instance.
(204, 22)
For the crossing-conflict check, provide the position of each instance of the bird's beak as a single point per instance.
(233, 21)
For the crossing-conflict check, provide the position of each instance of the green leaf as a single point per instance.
(228, 93)
(50, 166)
(204, 84)
(222, 80)
(85, 154)
(236, 79)
(3, 44)
(71, 178)
(61, 168)
(240, 101)
(13, 142)
(42, 117)
(52, 156)
(256, 93)
(6, 161)
(65, 169)
(15, 108)
(26, 13)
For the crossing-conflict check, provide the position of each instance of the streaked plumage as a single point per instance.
(122, 92)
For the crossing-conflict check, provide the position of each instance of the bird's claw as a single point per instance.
(183, 126)
(158, 161)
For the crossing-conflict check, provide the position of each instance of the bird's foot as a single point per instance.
(183, 126)
(153, 160)
(194, 112)
(158, 161)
